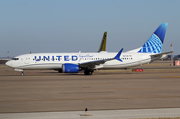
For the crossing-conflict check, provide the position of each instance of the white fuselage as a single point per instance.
(56, 60)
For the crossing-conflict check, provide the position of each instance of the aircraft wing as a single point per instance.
(98, 62)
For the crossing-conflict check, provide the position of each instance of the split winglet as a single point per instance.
(117, 57)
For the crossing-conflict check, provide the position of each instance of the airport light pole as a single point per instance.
(8, 54)
(171, 55)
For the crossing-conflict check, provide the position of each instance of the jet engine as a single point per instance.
(70, 68)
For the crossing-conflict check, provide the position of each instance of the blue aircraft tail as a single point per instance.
(155, 42)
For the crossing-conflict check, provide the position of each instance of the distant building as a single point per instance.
(177, 57)
(3, 61)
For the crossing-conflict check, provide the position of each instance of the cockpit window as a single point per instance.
(15, 58)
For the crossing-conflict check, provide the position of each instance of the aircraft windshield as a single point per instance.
(15, 58)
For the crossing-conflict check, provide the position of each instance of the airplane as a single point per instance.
(103, 43)
(88, 62)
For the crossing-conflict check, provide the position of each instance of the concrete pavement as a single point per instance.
(105, 114)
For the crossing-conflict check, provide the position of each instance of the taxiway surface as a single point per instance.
(165, 113)
(49, 91)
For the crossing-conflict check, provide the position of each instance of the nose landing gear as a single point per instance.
(20, 70)
(22, 73)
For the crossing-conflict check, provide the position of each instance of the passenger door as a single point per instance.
(26, 60)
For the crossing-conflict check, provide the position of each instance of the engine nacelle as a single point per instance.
(70, 68)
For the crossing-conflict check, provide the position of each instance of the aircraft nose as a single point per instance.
(8, 63)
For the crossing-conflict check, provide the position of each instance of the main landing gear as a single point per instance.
(88, 72)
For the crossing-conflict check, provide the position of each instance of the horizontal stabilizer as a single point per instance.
(161, 54)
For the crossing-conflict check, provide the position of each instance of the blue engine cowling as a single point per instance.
(70, 68)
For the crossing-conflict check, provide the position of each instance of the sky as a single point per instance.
(47, 26)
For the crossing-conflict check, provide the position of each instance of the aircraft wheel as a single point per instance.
(88, 72)
(22, 73)
(60, 71)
